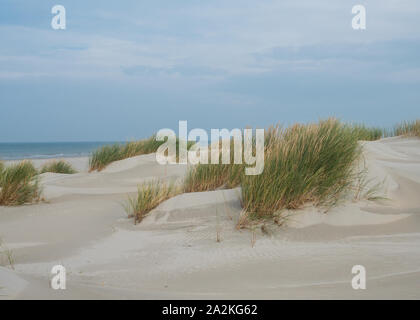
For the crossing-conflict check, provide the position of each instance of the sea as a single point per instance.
(46, 150)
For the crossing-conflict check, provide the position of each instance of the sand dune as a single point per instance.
(173, 253)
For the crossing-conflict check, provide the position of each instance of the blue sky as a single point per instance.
(123, 70)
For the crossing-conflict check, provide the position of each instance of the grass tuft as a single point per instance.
(58, 166)
(367, 133)
(305, 163)
(149, 196)
(103, 156)
(108, 154)
(19, 184)
(408, 128)
(7, 254)
(207, 177)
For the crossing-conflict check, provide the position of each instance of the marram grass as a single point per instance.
(18, 184)
(303, 163)
(58, 166)
(408, 128)
(105, 155)
(367, 133)
(207, 177)
(149, 196)
(306, 163)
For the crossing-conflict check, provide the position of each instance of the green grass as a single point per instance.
(206, 177)
(58, 166)
(408, 128)
(149, 196)
(305, 163)
(105, 155)
(367, 133)
(19, 184)
(108, 154)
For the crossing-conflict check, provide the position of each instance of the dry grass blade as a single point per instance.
(8, 255)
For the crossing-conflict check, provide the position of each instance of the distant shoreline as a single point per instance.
(45, 159)
(48, 150)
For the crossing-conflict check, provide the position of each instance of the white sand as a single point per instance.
(173, 253)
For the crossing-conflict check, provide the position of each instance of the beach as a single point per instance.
(189, 247)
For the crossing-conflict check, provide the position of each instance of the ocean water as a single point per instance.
(45, 150)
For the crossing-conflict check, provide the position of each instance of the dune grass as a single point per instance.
(303, 163)
(307, 163)
(58, 166)
(6, 256)
(105, 155)
(408, 128)
(207, 177)
(312, 163)
(149, 196)
(367, 133)
(19, 184)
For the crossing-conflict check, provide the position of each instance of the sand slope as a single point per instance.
(188, 247)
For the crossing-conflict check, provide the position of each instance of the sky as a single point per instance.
(123, 70)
